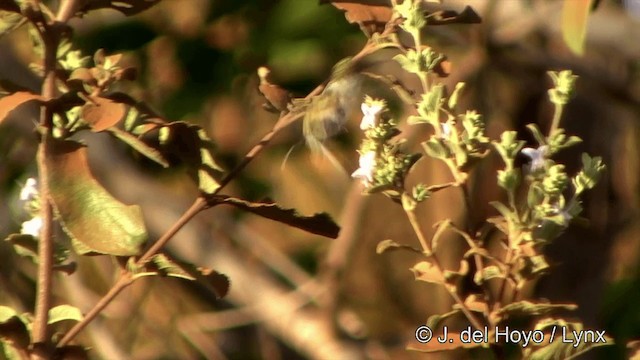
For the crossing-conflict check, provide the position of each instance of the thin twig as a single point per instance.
(125, 278)
(201, 203)
(45, 245)
(122, 282)
(427, 248)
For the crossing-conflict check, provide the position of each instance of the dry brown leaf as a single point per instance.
(12, 101)
(102, 113)
(276, 96)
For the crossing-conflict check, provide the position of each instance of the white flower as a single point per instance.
(367, 168)
(564, 213)
(29, 190)
(446, 130)
(537, 156)
(32, 227)
(370, 110)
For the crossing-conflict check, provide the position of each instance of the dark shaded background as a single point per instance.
(296, 295)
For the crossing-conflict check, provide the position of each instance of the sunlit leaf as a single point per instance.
(9, 21)
(488, 273)
(64, 312)
(575, 16)
(163, 265)
(89, 214)
(426, 271)
(454, 343)
(435, 320)
(12, 101)
(566, 347)
(320, 224)
(140, 146)
(527, 308)
(390, 245)
(13, 328)
(191, 145)
(26, 245)
(101, 113)
(127, 7)
(474, 303)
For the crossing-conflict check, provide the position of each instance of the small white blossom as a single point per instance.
(367, 168)
(564, 213)
(537, 157)
(29, 190)
(446, 130)
(370, 110)
(32, 227)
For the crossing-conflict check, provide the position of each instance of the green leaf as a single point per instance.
(589, 176)
(414, 120)
(431, 103)
(193, 147)
(319, 224)
(538, 264)
(140, 146)
(10, 21)
(408, 202)
(488, 273)
(127, 7)
(453, 99)
(575, 16)
(88, 213)
(527, 309)
(163, 265)
(566, 347)
(14, 329)
(64, 312)
(27, 246)
(537, 134)
(435, 149)
(434, 321)
(452, 275)
(390, 245)
(427, 272)
(502, 209)
(6, 313)
(408, 62)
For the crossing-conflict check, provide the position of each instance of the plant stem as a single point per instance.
(66, 10)
(122, 282)
(125, 278)
(427, 248)
(503, 286)
(557, 114)
(424, 80)
(40, 333)
(200, 204)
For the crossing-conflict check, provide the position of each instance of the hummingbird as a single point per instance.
(326, 114)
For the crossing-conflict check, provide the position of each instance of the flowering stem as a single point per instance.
(424, 79)
(427, 248)
(557, 114)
